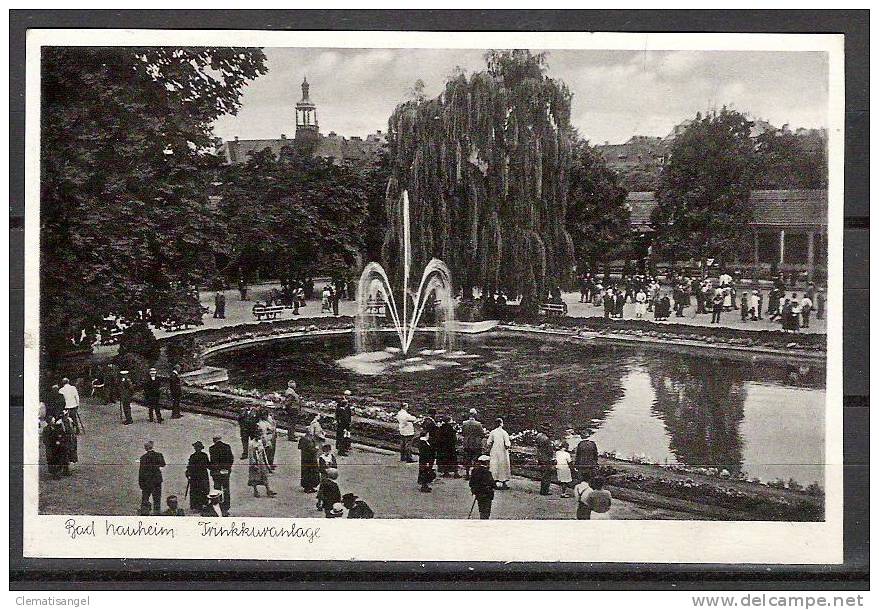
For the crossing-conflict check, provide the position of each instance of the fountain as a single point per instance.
(376, 301)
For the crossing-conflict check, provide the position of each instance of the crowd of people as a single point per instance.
(673, 295)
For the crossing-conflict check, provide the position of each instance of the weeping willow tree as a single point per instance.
(485, 164)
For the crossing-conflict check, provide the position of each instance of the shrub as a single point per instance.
(139, 339)
(184, 350)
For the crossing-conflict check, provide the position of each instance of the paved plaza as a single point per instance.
(104, 482)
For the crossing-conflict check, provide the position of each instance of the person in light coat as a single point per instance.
(406, 425)
(499, 451)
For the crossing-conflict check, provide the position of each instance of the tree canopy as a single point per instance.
(125, 175)
(703, 199)
(293, 216)
(597, 217)
(486, 166)
(788, 161)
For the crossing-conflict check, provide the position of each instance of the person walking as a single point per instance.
(343, 424)
(175, 390)
(545, 459)
(222, 458)
(150, 478)
(71, 401)
(426, 474)
(309, 470)
(499, 446)
(126, 392)
(586, 457)
(482, 486)
(151, 395)
(406, 426)
(197, 475)
(258, 471)
(473, 433)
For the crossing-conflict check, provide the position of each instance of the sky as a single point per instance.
(617, 94)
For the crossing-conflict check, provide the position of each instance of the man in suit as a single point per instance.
(151, 394)
(343, 424)
(175, 389)
(126, 391)
(222, 459)
(545, 457)
(586, 457)
(150, 478)
(482, 486)
(473, 434)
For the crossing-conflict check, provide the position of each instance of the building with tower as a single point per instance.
(309, 140)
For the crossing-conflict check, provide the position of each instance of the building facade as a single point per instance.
(789, 230)
(308, 139)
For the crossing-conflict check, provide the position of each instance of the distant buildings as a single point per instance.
(639, 160)
(789, 228)
(308, 139)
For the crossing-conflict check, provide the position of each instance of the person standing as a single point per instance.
(292, 402)
(608, 303)
(151, 395)
(429, 429)
(54, 403)
(640, 303)
(71, 401)
(56, 453)
(309, 470)
(499, 446)
(326, 460)
(563, 463)
(197, 473)
(267, 432)
(150, 478)
(126, 392)
(717, 306)
(473, 434)
(175, 389)
(545, 459)
(220, 305)
(426, 475)
(329, 493)
(247, 427)
(242, 288)
(258, 471)
(805, 310)
(446, 441)
(482, 486)
(343, 424)
(586, 457)
(406, 425)
(213, 508)
(593, 501)
(745, 306)
(222, 458)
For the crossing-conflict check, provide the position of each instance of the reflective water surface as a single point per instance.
(764, 419)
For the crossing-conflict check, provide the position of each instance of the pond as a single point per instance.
(695, 408)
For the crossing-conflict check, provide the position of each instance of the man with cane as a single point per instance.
(482, 487)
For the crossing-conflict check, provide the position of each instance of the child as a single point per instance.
(326, 460)
(328, 494)
(563, 468)
(596, 500)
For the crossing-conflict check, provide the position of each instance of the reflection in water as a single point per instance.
(692, 409)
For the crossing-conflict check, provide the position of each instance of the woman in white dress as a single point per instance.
(499, 451)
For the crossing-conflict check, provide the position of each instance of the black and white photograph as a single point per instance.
(484, 285)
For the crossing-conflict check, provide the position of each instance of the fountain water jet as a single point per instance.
(374, 291)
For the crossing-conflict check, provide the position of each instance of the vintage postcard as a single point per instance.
(475, 287)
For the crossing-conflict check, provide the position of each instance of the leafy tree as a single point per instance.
(703, 197)
(485, 167)
(787, 161)
(375, 222)
(293, 216)
(126, 226)
(597, 217)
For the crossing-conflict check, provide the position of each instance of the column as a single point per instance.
(810, 253)
(756, 248)
(781, 247)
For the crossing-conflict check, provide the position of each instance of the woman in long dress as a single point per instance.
(258, 474)
(499, 451)
(309, 471)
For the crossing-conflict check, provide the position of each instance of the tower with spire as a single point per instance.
(307, 130)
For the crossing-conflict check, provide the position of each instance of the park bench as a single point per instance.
(269, 311)
(378, 310)
(553, 309)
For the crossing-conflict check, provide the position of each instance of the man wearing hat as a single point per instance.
(213, 508)
(151, 394)
(126, 391)
(482, 486)
(343, 424)
(221, 462)
(175, 389)
(586, 457)
(329, 494)
(473, 434)
(357, 508)
(150, 477)
(545, 459)
(197, 475)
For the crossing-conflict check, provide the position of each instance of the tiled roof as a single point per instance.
(787, 208)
